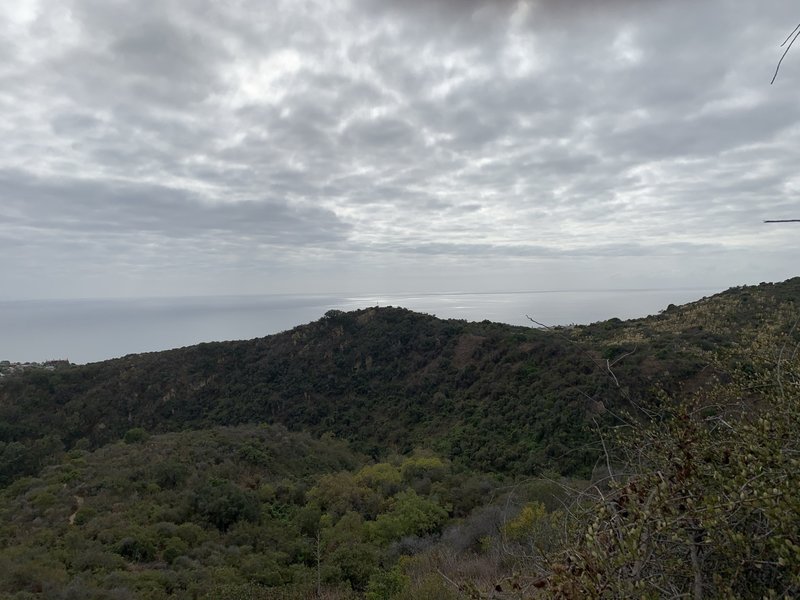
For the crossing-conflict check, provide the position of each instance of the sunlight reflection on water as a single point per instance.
(91, 330)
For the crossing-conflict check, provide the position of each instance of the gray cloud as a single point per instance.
(89, 206)
(275, 139)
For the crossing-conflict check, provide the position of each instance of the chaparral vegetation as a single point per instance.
(385, 454)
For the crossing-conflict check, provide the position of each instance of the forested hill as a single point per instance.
(500, 398)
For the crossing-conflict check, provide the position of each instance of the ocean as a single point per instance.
(85, 331)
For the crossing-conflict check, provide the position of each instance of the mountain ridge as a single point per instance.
(501, 397)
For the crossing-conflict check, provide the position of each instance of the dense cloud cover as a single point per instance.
(168, 147)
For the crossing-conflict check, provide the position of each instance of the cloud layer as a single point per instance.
(158, 147)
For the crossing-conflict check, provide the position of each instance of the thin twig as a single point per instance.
(448, 580)
(587, 353)
(778, 373)
(610, 364)
(605, 452)
(790, 35)
(793, 35)
(571, 341)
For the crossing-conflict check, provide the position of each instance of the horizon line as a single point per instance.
(346, 296)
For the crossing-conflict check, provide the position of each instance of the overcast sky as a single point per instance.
(158, 147)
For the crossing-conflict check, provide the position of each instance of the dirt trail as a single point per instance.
(79, 500)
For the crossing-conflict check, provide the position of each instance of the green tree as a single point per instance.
(347, 555)
(410, 514)
(222, 503)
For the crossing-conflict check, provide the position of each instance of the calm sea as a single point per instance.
(92, 330)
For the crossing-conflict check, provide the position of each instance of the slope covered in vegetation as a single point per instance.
(499, 398)
(398, 462)
(251, 511)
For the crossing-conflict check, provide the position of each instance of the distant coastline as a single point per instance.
(92, 330)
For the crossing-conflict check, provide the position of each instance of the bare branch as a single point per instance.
(605, 452)
(790, 35)
(795, 33)
(778, 373)
(571, 341)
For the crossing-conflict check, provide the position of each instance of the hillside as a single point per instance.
(497, 397)
(220, 513)
(150, 476)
